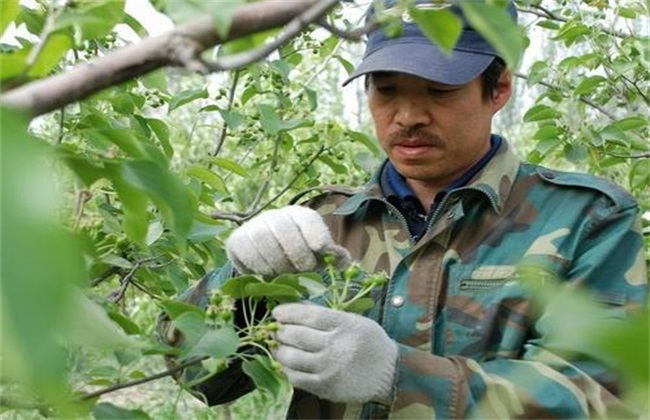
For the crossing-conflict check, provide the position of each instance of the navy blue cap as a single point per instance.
(412, 52)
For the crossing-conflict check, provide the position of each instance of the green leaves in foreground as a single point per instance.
(576, 324)
(496, 25)
(43, 310)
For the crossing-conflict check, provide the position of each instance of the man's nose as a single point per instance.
(412, 112)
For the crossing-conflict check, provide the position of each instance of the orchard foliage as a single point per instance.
(114, 205)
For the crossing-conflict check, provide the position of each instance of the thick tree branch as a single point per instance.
(177, 47)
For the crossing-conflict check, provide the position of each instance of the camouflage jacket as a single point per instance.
(471, 343)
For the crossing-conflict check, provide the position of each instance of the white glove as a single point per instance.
(292, 239)
(335, 355)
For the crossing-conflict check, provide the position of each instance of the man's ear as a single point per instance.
(502, 91)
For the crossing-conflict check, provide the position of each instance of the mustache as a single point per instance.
(416, 135)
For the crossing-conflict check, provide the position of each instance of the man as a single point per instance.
(450, 215)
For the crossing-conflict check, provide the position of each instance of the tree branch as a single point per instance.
(177, 47)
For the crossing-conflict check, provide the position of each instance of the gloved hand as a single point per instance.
(335, 355)
(292, 239)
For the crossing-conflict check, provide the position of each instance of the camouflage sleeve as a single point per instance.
(223, 387)
(543, 382)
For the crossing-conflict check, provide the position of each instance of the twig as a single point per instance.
(241, 217)
(105, 275)
(354, 35)
(162, 374)
(637, 88)
(545, 13)
(224, 129)
(292, 29)
(581, 98)
(644, 155)
(116, 296)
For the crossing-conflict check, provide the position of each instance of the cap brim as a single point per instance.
(426, 61)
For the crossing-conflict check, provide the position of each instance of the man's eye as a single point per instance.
(385, 90)
(439, 92)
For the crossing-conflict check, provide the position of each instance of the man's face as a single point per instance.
(432, 132)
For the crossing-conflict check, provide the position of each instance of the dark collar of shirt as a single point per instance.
(399, 193)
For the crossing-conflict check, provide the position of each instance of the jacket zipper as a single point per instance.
(481, 284)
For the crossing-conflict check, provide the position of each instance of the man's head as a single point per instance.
(412, 52)
(432, 111)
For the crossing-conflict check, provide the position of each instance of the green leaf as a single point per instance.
(631, 123)
(108, 411)
(272, 124)
(575, 153)
(229, 165)
(291, 280)
(233, 119)
(218, 343)
(588, 84)
(137, 27)
(92, 20)
(365, 140)
(134, 206)
(127, 325)
(224, 14)
(154, 232)
(335, 166)
(168, 192)
(236, 286)
(547, 132)
(175, 308)
(117, 261)
(186, 97)
(56, 45)
(161, 130)
(538, 72)
(639, 177)
(442, 27)
(202, 232)
(548, 144)
(193, 328)
(13, 64)
(540, 113)
(8, 11)
(360, 306)
(349, 67)
(87, 171)
(208, 177)
(265, 377)
(496, 25)
(155, 80)
(571, 32)
(271, 290)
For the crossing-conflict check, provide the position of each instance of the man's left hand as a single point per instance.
(335, 355)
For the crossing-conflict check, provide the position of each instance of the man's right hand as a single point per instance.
(292, 239)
